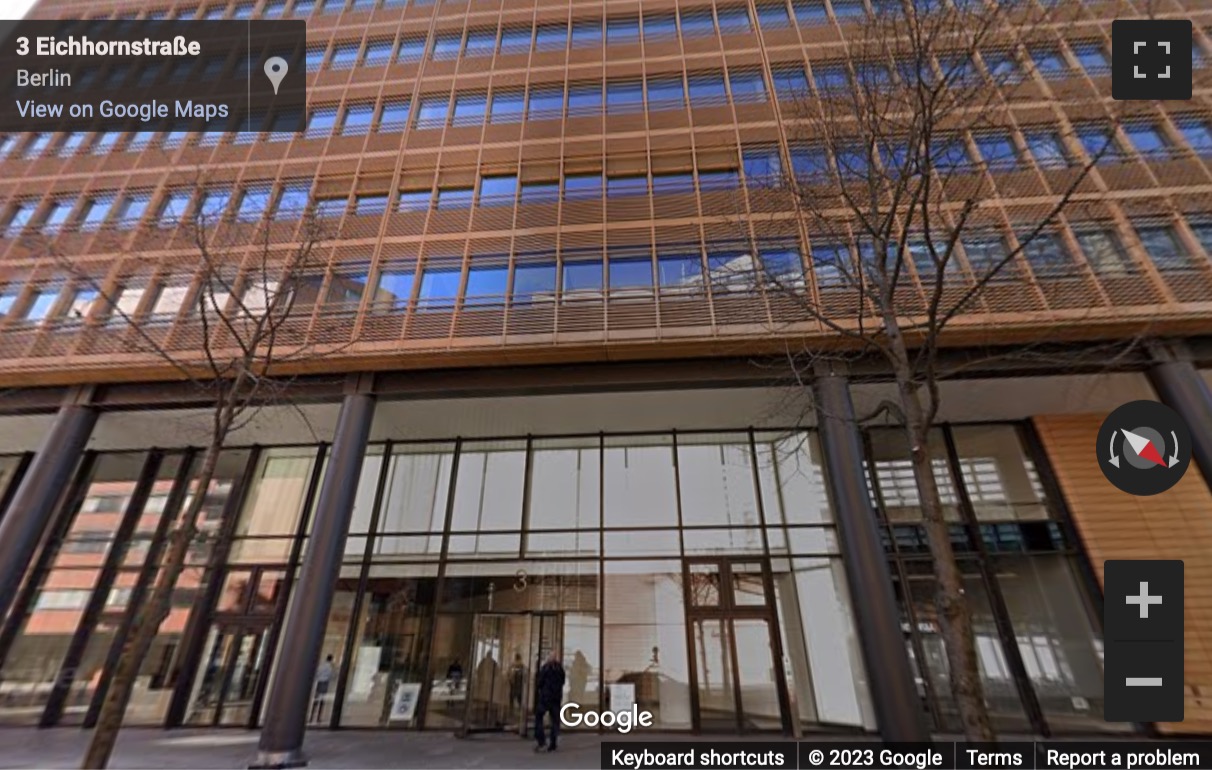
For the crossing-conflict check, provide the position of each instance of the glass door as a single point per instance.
(235, 662)
(506, 651)
(738, 681)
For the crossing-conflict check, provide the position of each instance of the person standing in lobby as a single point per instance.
(549, 692)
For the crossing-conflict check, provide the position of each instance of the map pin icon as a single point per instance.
(275, 70)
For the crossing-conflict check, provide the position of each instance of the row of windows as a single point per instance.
(770, 12)
(442, 283)
(760, 165)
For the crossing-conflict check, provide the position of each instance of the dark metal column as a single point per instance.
(290, 694)
(897, 706)
(1181, 387)
(31, 508)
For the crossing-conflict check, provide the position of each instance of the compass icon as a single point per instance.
(1144, 448)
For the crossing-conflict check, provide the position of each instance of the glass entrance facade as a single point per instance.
(700, 571)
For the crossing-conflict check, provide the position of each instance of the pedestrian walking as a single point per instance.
(323, 679)
(549, 692)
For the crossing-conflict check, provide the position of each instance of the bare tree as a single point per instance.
(250, 297)
(895, 176)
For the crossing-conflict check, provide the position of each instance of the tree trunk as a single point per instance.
(148, 619)
(950, 601)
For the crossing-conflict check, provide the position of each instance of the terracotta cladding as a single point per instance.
(692, 152)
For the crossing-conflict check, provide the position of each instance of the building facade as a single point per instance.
(543, 420)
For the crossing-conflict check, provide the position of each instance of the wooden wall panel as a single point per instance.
(1115, 525)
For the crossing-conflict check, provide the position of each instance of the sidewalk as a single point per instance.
(233, 749)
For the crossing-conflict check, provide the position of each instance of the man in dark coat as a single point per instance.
(549, 691)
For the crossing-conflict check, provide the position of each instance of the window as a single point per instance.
(986, 255)
(810, 164)
(432, 113)
(378, 53)
(469, 109)
(322, 122)
(358, 118)
(106, 141)
(415, 200)
(253, 203)
(535, 282)
(790, 83)
(330, 208)
(1049, 63)
(762, 166)
(585, 99)
(1164, 248)
(747, 86)
(997, 150)
(582, 186)
(848, 9)
(730, 271)
(1047, 148)
(783, 267)
(95, 212)
(810, 12)
(625, 186)
(1002, 66)
(174, 207)
(582, 277)
(370, 205)
(587, 33)
(719, 179)
(412, 49)
(949, 155)
(679, 273)
(454, 198)
(1104, 251)
(707, 89)
(314, 60)
(624, 96)
(447, 45)
(697, 23)
(1203, 233)
(55, 216)
(660, 25)
(132, 209)
(8, 299)
(551, 37)
(498, 190)
(1046, 255)
(830, 79)
(395, 289)
(293, 201)
(673, 183)
(303, 7)
(546, 103)
(275, 9)
(958, 70)
(1148, 140)
(621, 31)
(1092, 58)
(772, 15)
(174, 139)
(734, 20)
(37, 145)
(486, 285)
(7, 143)
(42, 301)
(480, 42)
(507, 106)
(344, 56)
(666, 93)
(628, 274)
(1198, 135)
(1099, 143)
(71, 145)
(331, 6)
(516, 39)
(439, 288)
(393, 116)
(540, 192)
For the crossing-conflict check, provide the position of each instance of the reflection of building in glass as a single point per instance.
(558, 274)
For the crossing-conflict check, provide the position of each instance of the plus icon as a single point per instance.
(1151, 59)
(1144, 600)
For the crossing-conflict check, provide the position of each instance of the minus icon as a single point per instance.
(1143, 681)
